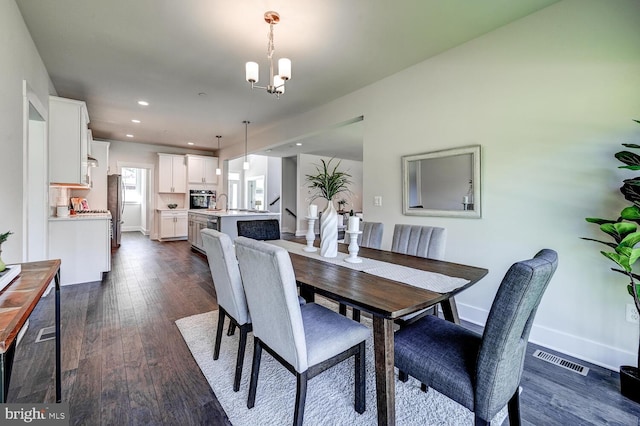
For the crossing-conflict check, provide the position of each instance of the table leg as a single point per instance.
(385, 379)
(450, 310)
(307, 293)
(6, 364)
(58, 363)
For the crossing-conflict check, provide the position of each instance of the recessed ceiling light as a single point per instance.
(129, 135)
(143, 103)
(268, 150)
(135, 121)
(298, 144)
(190, 143)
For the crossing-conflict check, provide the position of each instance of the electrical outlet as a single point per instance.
(377, 200)
(632, 313)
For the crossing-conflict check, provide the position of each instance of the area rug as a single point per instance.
(330, 395)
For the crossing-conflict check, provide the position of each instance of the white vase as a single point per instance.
(329, 231)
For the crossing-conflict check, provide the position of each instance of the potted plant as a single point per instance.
(3, 238)
(625, 237)
(326, 183)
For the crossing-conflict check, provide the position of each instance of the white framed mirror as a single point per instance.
(442, 183)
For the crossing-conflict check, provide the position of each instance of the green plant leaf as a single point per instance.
(630, 290)
(631, 213)
(632, 145)
(630, 253)
(630, 240)
(618, 230)
(629, 158)
(599, 221)
(631, 191)
(621, 260)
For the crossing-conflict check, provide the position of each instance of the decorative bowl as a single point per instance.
(172, 206)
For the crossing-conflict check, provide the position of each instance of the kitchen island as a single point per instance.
(223, 221)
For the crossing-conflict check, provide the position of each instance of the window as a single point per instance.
(132, 185)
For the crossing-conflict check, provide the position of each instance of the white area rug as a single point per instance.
(330, 395)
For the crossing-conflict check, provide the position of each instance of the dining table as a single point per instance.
(17, 302)
(385, 298)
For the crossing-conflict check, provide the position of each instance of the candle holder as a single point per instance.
(310, 235)
(353, 247)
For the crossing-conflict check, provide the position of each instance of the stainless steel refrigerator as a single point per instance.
(115, 204)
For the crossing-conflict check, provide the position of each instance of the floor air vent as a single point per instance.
(561, 362)
(46, 333)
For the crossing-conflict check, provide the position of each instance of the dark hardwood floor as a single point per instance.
(124, 361)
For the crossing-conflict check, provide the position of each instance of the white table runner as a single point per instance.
(428, 280)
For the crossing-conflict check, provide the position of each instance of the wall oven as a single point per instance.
(202, 199)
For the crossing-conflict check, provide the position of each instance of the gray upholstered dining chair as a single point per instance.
(305, 339)
(481, 373)
(232, 302)
(422, 241)
(371, 236)
(268, 229)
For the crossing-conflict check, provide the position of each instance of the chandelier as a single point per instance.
(276, 82)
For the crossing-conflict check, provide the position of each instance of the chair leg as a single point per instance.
(402, 376)
(514, 409)
(356, 314)
(342, 309)
(360, 379)
(216, 346)
(255, 371)
(232, 329)
(423, 387)
(301, 396)
(240, 361)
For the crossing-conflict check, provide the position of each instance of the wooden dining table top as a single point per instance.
(374, 294)
(19, 298)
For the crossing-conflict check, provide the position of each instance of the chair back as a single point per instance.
(268, 229)
(270, 285)
(421, 241)
(371, 236)
(504, 342)
(226, 274)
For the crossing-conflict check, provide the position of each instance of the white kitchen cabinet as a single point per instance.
(173, 224)
(202, 170)
(83, 244)
(68, 141)
(197, 222)
(172, 173)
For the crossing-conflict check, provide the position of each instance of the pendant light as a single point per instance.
(218, 169)
(245, 165)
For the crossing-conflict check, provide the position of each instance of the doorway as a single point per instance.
(137, 215)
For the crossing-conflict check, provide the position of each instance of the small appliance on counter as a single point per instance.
(202, 199)
(62, 207)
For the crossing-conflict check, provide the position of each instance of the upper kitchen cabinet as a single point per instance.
(68, 142)
(172, 173)
(202, 171)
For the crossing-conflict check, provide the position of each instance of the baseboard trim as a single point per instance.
(584, 349)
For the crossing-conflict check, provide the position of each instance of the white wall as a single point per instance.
(19, 60)
(549, 98)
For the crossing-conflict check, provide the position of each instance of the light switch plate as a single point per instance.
(377, 200)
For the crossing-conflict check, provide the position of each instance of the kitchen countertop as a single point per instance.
(232, 213)
(84, 216)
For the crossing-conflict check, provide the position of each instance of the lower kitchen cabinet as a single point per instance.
(197, 222)
(173, 224)
(83, 245)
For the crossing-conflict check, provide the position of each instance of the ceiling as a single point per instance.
(186, 58)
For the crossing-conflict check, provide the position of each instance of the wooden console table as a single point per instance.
(17, 301)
